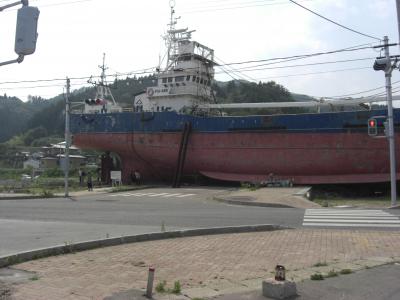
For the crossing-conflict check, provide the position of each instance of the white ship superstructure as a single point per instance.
(184, 84)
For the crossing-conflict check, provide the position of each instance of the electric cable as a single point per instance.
(313, 73)
(249, 69)
(340, 25)
(236, 7)
(362, 92)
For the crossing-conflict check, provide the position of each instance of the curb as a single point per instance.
(138, 188)
(17, 258)
(258, 204)
(26, 197)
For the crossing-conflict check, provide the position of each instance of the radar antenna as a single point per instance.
(102, 90)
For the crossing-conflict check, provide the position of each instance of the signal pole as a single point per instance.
(398, 17)
(391, 133)
(67, 140)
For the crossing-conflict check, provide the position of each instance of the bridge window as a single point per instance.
(164, 80)
(179, 78)
(188, 78)
(194, 78)
(170, 79)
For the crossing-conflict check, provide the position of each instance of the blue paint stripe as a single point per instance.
(173, 122)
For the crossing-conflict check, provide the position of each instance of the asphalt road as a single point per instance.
(37, 223)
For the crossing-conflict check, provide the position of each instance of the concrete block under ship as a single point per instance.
(172, 131)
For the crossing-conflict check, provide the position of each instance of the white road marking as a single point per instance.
(349, 218)
(185, 195)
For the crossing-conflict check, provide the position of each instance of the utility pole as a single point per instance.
(391, 133)
(67, 139)
(398, 17)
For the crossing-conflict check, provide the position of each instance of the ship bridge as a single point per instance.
(186, 80)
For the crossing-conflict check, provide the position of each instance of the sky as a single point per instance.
(74, 34)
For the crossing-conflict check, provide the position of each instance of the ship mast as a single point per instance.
(171, 26)
(173, 37)
(103, 90)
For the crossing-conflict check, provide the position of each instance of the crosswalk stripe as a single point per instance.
(350, 218)
(352, 225)
(185, 195)
(161, 195)
(367, 221)
(354, 218)
(171, 195)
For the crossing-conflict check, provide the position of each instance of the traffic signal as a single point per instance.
(381, 64)
(372, 127)
(26, 32)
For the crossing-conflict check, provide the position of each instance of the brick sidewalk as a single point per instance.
(198, 262)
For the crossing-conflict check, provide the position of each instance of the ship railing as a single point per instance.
(127, 109)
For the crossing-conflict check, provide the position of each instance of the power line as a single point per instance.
(329, 20)
(362, 92)
(233, 70)
(152, 69)
(236, 7)
(314, 73)
(350, 49)
(254, 68)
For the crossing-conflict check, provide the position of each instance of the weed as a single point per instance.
(177, 287)
(160, 287)
(69, 247)
(34, 278)
(325, 203)
(162, 226)
(331, 273)
(317, 276)
(46, 194)
(196, 298)
(320, 264)
(346, 271)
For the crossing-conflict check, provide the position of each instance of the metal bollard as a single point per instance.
(150, 280)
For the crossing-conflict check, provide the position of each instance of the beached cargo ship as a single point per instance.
(175, 129)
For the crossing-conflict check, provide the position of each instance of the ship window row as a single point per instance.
(139, 108)
(192, 78)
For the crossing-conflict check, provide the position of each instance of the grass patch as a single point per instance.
(317, 276)
(331, 273)
(320, 264)
(46, 194)
(346, 271)
(125, 188)
(161, 287)
(34, 278)
(250, 186)
(177, 288)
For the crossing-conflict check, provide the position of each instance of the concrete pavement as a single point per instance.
(206, 266)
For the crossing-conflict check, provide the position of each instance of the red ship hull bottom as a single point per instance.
(304, 158)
